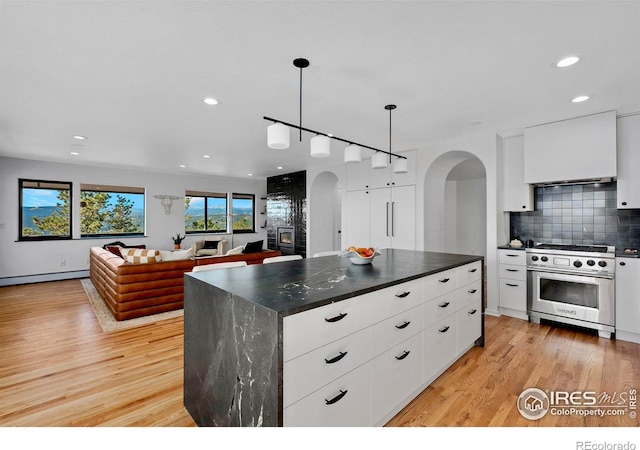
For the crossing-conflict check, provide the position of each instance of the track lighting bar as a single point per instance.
(332, 137)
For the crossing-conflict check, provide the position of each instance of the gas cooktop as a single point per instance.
(575, 248)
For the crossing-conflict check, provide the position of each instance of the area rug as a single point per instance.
(106, 319)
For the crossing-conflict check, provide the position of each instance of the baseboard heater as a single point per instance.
(58, 276)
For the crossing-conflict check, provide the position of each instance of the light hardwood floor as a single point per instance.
(58, 368)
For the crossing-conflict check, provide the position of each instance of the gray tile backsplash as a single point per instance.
(580, 214)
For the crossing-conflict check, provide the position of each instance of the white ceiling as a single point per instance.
(131, 75)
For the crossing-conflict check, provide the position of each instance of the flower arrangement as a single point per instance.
(177, 240)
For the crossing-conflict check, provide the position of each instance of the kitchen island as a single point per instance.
(323, 342)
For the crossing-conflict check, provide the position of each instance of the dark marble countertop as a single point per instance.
(295, 286)
(622, 254)
(508, 247)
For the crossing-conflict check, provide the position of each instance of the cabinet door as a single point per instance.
(627, 302)
(518, 195)
(628, 162)
(403, 217)
(440, 347)
(358, 224)
(380, 178)
(358, 175)
(395, 375)
(409, 177)
(380, 218)
(469, 325)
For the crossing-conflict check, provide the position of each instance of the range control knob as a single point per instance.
(591, 262)
(602, 263)
(577, 264)
(544, 259)
(534, 258)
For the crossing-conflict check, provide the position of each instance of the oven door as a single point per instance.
(579, 297)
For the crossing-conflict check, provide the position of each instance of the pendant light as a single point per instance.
(400, 166)
(379, 160)
(320, 146)
(278, 136)
(352, 153)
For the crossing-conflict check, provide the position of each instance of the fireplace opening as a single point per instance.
(286, 240)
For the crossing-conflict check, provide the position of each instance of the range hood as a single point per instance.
(573, 151)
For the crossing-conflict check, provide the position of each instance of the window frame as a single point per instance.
(206, 196)
(253, 213)
(90, 187)
(21, 187)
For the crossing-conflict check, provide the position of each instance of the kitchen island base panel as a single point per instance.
(230, 359)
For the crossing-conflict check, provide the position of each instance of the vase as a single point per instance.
(176, 246)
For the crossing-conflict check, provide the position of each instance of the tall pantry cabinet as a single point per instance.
(380, 206)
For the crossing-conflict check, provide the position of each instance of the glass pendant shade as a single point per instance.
(379, 160)
(320, 146)
(278, 136)
(400, 166)
(352, 154)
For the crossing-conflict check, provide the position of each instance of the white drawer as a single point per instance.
(469, 325)
(513, 272)
(342, 403)
(469, 272)
(395, 375)
(512, 257)
(440, 283)
(469, 293)
(306, 373)
(396, 329)
(439, 308)
(311, 329)
(440, 347)
(513, 294)
(395, 299)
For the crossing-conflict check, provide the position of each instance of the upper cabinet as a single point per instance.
(577, 149)
(362, 176)
(628, 195)
(517, 195)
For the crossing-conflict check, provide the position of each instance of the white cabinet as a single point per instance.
(358, 175)
(517, 195)
(513, 283)
(357, 362)
(627, 299)
(383, 218)
(628, 162)
(583, 148)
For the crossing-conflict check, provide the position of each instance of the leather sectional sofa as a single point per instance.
(136, 290)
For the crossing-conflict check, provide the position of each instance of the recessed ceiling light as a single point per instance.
(249, 174)
(279, 167)
(182, 166)
(206, 156)
(74, 153)
(567, 61)
(210, 101)
(580, 99)
(82, 138)
(475, 122)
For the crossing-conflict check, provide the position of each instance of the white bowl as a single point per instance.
(355, 257)
(516, 245)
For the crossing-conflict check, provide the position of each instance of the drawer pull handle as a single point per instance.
(473, 291)
(337, 398)
(403, 326)
(404, 294)
(335, 359)
(444, 280)
(403, 356)
(472, 270)
(512, 270)
(444, 329)
(473, 311)
(512, 285)
(336, 318)
(512, 256)
(443, 305)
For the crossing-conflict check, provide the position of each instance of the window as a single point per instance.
(111, 210)
(205, 212)
(243, 208)
(45, 210)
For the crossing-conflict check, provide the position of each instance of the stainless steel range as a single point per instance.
(572, 284)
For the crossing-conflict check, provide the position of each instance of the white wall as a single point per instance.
(451, 215)
(471, 224)
(22, 259)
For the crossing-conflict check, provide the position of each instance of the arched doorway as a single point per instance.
(325, 209)
(456, 204)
